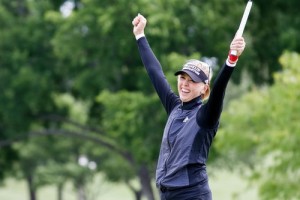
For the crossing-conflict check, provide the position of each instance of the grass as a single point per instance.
(224, 186)
(229, 186)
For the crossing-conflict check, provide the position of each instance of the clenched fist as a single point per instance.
(139, 24)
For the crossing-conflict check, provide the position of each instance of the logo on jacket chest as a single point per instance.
(185, 119)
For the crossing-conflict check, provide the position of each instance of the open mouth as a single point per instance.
(185, 91)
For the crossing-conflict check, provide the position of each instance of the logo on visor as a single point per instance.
(192, 68)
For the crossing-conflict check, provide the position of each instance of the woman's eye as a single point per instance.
(191, 81)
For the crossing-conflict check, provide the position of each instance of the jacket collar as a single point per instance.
(191, 104)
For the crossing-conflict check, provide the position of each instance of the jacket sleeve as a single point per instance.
(156, 75)
(209, 114)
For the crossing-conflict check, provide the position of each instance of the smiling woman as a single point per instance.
(192, 125)
(188, 89)
(198, 75)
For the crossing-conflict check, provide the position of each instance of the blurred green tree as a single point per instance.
(264, 132)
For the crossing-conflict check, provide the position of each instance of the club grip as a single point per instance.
(232, 56)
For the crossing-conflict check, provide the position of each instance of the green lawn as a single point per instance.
(230, 186)
(224, 185)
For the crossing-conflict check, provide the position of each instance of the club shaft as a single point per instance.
(244, 19)
(240, 31)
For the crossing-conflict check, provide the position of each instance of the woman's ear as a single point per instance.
(206, 92)
(205, 88)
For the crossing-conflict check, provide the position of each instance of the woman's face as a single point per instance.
(188, 89)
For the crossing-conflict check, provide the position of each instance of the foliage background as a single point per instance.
(75, 100)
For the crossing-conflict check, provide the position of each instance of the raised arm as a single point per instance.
(209, 114)
(152, 65)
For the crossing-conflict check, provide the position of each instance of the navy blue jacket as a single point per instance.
(190, 128)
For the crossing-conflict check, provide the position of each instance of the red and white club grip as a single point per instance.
(232, 56)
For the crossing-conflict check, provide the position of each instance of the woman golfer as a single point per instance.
(192, 125)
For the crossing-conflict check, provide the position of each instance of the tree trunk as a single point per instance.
(81, 195)
(32, 194)
(60, 191)
(137, 193)
(145, 181)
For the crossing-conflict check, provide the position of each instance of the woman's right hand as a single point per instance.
(139, 24)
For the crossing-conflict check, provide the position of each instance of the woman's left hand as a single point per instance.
(238, 44)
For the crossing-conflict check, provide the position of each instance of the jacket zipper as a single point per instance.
(169, 145)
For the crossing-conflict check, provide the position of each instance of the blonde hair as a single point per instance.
(208, 72)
